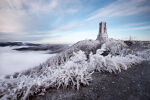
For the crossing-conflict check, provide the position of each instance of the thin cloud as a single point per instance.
(39, 35)
(136, 24)
(65, 27)
(67, 38)
(121, 8)
(18, 16)
(141, 28)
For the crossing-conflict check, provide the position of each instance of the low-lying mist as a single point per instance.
(14, 61)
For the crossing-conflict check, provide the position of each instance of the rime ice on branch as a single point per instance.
(102, 36)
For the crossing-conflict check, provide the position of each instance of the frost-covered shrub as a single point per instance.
(114, 46)
(145, 54)
(72, 73)
(86, 45)
(112, 63)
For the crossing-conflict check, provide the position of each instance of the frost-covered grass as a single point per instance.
(73, 72)
(86, 45)
(113, 63)
(145, 54)
(114, 46)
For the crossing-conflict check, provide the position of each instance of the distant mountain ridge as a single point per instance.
(3, 44)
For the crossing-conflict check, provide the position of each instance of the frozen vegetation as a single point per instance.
(71, 68)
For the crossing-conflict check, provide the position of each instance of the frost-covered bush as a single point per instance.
(112, 63)
(114, 46)
(73, 73)
(145, 54)
(86, 45)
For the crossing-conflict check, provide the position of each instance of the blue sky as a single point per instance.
(68, 21)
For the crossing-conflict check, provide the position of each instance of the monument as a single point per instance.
(102, 35)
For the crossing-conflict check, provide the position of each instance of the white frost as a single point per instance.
(71, 72)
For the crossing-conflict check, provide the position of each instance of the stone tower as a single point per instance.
(102, 35)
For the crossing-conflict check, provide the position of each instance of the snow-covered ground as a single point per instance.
(14, 61)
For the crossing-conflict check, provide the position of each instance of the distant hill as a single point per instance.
(53, 48)
(4, 44)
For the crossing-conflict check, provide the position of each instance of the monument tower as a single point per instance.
(102, 35)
